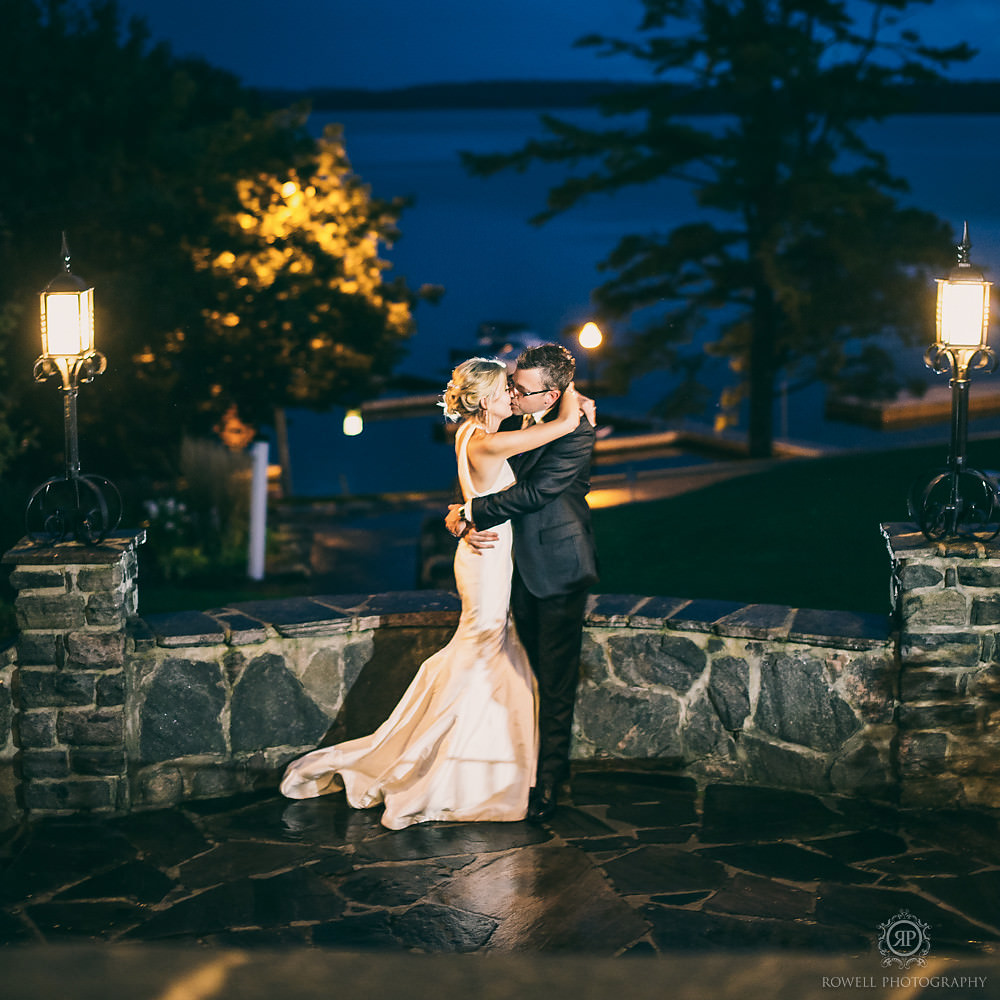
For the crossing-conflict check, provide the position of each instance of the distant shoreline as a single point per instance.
(964, 97)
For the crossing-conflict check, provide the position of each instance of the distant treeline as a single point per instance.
(980, 96)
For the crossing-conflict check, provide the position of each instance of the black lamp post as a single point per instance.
(958, 501)
(82, 506)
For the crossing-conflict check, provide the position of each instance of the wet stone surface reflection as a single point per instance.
(637, 862)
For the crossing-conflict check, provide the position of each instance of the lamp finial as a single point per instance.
(65, 252)
(964, 247)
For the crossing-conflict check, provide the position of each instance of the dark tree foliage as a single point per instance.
(803, 263)
(139, 156)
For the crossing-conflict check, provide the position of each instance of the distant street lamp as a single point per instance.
(85, 507)
(590, 339)
(353, 422)
(958, 501)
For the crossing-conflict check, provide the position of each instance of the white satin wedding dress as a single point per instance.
(462, 743)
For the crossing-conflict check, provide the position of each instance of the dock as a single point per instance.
(909, 410)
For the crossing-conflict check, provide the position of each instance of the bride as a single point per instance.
(462, 743)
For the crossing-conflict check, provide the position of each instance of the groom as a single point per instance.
(554, 559)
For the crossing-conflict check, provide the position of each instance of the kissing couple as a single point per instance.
(483, 732)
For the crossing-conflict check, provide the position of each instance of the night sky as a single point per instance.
(378, 44)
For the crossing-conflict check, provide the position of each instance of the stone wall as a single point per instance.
(218, 702)
(759, 693)
(68, 713)
(103, 710)
(9, 810)
(948, 597)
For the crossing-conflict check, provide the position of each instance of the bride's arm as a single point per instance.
(504, 444)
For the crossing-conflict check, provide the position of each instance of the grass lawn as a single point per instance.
(216, 593)
(804, 533)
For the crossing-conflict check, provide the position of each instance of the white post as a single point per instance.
(258, 511)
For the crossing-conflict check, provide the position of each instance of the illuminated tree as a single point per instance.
(301, 313)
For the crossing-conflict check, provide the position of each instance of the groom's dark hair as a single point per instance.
(556, 363)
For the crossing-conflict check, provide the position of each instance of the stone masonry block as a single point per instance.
(182, 712)
(270, 708)
(65, 611)
(39, 649)
(111, 689)
(865, 767)
(983, 759)
(985, 683)
(214, 782)
(106, 600)
(51, 688)
(986, 612)
(783, 765)
(35, 578)
(101, 578)
(868, 682)
(44, 764)
(935, 607)
(99, 727)
(946, 649)
(36, 729)
(923, 753)
(659, 659)
(106, 609)
(160, 785)
(91, 762)
(798, 705)
(95, 649)
(952, 716)
(729, 691)
(916, 575)
(931, 683)
(56, 796)
(980, 576)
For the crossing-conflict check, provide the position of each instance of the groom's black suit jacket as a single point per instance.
(547, 507)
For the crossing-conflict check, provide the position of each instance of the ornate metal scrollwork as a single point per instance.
(957, 501)
(82, 507)
(85, 508)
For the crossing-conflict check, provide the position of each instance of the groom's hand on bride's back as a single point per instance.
(479, 540)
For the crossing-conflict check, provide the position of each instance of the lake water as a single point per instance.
(471, 235)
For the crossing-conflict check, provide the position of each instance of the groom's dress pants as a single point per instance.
(551, 629)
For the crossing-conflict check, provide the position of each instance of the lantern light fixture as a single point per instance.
(958, 501)
(85, 507)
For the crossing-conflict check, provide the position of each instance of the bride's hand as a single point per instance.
(569, 405)
(588, 408)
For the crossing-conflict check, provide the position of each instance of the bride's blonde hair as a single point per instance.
(472, 382)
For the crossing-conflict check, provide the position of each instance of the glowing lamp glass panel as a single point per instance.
(68, 323)
(353, 424)
(963, 313)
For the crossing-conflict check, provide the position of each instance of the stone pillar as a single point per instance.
(71, 608)
(947, 603)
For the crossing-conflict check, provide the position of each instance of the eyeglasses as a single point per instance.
(511, 387)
